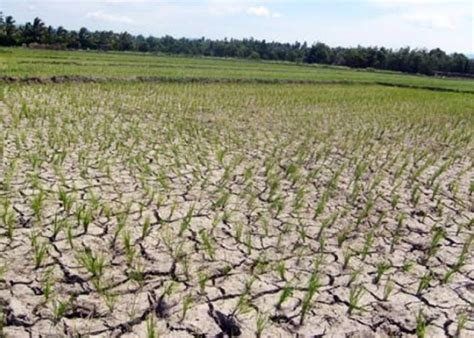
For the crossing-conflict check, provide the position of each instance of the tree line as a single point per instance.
(408, 60)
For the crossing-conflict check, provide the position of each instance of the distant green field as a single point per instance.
(21, 62)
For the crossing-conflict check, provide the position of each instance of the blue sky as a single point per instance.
(447, 24)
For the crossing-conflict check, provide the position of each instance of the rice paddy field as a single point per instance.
(330, 207)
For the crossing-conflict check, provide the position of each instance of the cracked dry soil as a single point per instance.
(235, 209)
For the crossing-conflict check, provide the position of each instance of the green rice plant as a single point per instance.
(93, 263)
(94, 202)
(369, 241)
(277, 205)
(3, 270)
(248, 284)
(40, 253)
(424, 282)
(294, 176)
(146, 227)
(299, 200)
(343, 235)
(360, 169)
(261, 323)
(222, 200)
(382, 267)
(85, 216)
(69, 234)
(243, 305)
(395, 199)
(461, 324)
(388, 289)
(274, 185)
(417, 173)
(67, 200)
(58, 225)
(238, 232)
(226, 269)
(327, 223)
(461, 226)
(226, 216)
(321, 204)
(439, 172)
(439, 207)
(9, 173)
(203, 278)
(187, 302)
(251, 199)
(121, 223)
(136, 274)
(313, 287)
(375, 183)
(347, 256)
(151, 327)
(355, 294)
(322, 245)
(355, 193)
(438, 235)
(466, 249)
(184, 261)
(285, 294)
(415, 195)
(248, 174)
(421, 325)
(398, 173)
(248, 243)
(380, 220)
(407, 265)
(354, 276)
(369, 205)
(37, 204)
(398, 231)
(9, 220)
(435, 191)
(332, 184)
(47, 283)
(106, 211)
(265, 227)
(169, 288)
(281, 269)
(185, 223)
(130, 251)
(60, 307)
(208, 244)
(448, 275)
(220, 154)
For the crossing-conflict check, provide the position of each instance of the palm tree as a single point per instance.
(38, 30)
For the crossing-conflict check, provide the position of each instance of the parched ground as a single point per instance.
(207, 209)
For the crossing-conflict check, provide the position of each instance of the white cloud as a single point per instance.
(258, 11)
(429, 20)
(262, 11)
(101, 16)
(437, 15)
(216, 8)
(223, 7)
